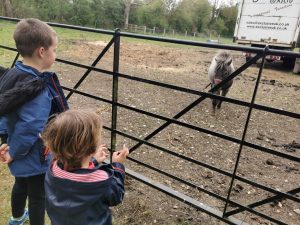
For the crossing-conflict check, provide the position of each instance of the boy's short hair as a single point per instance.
(73, 135)
(31, 34)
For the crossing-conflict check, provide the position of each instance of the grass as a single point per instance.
(6, 184)
(67, 36)
(6, 39)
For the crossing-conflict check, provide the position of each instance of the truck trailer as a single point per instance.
(275, 23)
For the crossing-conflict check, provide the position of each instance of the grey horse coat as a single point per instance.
(221, 67)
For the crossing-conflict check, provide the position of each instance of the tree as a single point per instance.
(229, 14)
(214, 13)
(127, 7)
(54, 10)
(107, 13)
(81, 12)
(151, 14)
(170, 5)
(191, 15)
(7, 6)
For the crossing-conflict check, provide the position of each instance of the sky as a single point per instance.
(226, 2)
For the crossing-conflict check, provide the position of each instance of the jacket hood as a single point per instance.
(73, 197)
(23, 83)
(16, 88)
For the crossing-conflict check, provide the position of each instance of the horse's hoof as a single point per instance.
(213, 113)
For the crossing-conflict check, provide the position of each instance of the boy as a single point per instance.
(78, 189)
(28, 96)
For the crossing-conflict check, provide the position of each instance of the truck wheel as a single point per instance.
(288, 62)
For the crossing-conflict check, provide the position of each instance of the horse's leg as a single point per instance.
(224, 93)
(215, 102)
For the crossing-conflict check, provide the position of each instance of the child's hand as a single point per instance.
(101, 153)
(120, 156)
(4, 154)
(3, 149)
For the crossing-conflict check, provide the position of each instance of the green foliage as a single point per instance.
(228, 15)
(55, 10)
(81, 12)
(218, 27)
(181, 15)
(152, 14)
(191, 15)
(107, 13)
(24, 10)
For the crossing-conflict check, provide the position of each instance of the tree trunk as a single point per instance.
(214, 10)
(7, 8)
(128, 4)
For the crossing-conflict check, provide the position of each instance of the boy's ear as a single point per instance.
(41, 52)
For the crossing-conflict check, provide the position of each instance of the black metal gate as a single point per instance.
(226, 215)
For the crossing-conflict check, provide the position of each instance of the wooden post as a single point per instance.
(164, 31)
(297, 66)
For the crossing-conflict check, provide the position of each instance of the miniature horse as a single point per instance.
(221, 67)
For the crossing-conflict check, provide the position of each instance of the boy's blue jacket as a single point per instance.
(27, 99)
(79, 203)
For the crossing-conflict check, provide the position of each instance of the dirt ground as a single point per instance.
(187, 67)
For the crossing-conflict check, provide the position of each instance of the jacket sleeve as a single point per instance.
(3, 131)
(32, 117)
(117, 189)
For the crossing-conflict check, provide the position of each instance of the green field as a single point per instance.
(66, 36)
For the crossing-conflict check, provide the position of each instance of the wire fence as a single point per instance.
(173, 33)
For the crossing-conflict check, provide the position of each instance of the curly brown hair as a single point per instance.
(73, 135)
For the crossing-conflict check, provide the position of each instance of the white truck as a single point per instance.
(269, 22)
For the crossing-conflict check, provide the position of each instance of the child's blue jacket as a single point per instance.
(24, 122)
(71, 202)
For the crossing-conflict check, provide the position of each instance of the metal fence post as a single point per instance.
(115, 91)
(245, 129)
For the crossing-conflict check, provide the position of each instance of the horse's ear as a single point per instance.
(216, 60)
(229, 62)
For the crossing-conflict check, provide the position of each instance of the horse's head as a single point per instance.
(223, 66)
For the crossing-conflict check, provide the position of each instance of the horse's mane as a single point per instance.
(222, 59)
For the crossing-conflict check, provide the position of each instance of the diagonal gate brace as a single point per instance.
(184, 198)
(262, 202)
(93, 64)
(196, 102)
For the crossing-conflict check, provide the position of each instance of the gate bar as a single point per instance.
(199, 188)
(196, 102)
(184, 198)
(245, 128)
(169, 40)
(203, 130)
(262, 202)
(15, 60)
(114, 115)
(224, 172)
(93, 65)
(178, 88)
